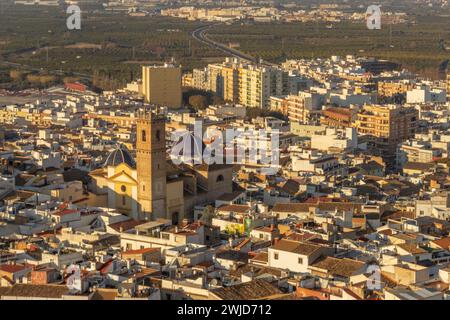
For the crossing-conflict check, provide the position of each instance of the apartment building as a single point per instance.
(393, 88)
(305, 107)
(415, 151)
(248, 84)
(200, 79)
(425, 94)
(161, 85)
(384, 127)
(338, 117)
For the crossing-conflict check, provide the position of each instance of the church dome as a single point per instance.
(118, 156)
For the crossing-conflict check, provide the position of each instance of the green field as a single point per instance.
(415, 46)
(111, 47)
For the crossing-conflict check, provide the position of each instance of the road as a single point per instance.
(200, 35)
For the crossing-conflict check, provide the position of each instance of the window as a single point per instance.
(261, 235)
(144, 136)
(220, 178)
(300, 260)
(165, 236)
(158, 135)
(275, 256)
(143, 187)
(124, 200)
(123, 188)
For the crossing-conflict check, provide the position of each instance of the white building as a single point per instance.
(335, 139)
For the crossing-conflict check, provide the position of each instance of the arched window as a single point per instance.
(144, 136)
(123, 188)
(220, 178)
(158, 135)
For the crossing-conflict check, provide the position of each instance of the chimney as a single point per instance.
(230, 242)
(272, 227)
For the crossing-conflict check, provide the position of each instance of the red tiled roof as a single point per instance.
(12, 268)
(443, 243)
(105, 266)
(126, 225)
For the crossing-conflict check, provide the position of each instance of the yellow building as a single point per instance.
(116, 186)
(153, 187)
(230, 84)
(391, 89)
(384, 127)
(248, 84)
(161, 85)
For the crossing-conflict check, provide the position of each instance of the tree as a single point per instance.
(198, 102)
(207, 215)
(216, 100)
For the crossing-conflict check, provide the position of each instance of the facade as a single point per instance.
(338, 117)
(384, 127)
(200, 79)
(248, 84)
(293, 255)
(257, 84)
(393, 88)
(302, 108)
(161, 85)
(151, 164)
(152, 187)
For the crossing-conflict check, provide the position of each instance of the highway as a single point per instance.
(200, 35)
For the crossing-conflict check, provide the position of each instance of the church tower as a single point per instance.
(151, 164)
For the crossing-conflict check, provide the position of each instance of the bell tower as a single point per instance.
(151, 164)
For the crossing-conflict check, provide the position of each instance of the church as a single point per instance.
(150, 186)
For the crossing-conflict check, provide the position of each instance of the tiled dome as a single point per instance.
(118, 156)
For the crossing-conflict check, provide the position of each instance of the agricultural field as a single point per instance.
(419, 46)
(109, 46)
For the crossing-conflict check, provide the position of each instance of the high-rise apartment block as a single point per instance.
(161, 85)
(305, 107)
(248, 84)
(384, 127)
